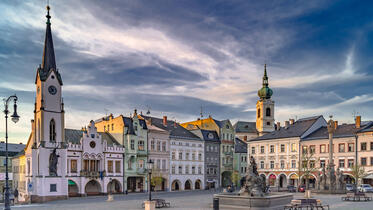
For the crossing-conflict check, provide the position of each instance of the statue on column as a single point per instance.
(53, 161)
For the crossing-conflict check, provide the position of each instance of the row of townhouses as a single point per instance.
(111, 154)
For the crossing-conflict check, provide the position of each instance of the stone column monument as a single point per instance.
(331, 171)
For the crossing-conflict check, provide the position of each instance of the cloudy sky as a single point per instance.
(173, 57)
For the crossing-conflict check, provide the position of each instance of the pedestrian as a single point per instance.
(16, 195)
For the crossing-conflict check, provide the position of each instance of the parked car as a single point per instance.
(350, 187)
(365, 188)
(301, 188)
(291, 188)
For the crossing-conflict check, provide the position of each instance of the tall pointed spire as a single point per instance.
(49, 60)
(265, 77)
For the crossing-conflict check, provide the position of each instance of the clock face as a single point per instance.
(92, 144)
(52, 90)
(211, 136)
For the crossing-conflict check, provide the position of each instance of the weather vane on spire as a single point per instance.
(48, 16)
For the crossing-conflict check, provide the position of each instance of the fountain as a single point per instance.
(254, 194)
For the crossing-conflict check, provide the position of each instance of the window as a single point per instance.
(164, 164)
(371, 145)
(110, 166)
(312, 149)
(262, 149)
(341, 147)
(322, 163)
(152, 146)
(252, 150)
(85, 165)
(293, 147)
(371, 161)
(132, 144)
(261, 164)
(293, 164)
(350, 163)
(158, 146)
(135, 126)
(141, 145)
(272, 149)
(363, 161)
(53, 188)
(350, 147)
(173, 156)
(73, 165)
(104, 127)
(193, 169)
(363, 146)
(268, 112)
(272, 164)
(180, 155)
(199, 156)
(117, 166)
(200, 170)
(180, 169)
(268, 123)
(187, 156)
(282, 148)
(164, 146)
(282, 163)
(193, 156)
(173, 170)
(158, 166)
(304, 149)
(112, 127)
(322, 148)
(341, 163)
(141, 163)
(52, 131)
(258, 113)
(312, 164)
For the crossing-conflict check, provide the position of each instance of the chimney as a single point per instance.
(278, 125)
(358, 121)
(291, 121)
(286, 124)
(165, 120)
(335, 124)
(111, 116)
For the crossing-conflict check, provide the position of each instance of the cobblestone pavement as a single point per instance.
(200, 200)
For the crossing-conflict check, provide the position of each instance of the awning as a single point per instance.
(71, 182)
(369, 176)
(294, 176)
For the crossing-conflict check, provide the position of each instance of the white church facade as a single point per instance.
(59, 162)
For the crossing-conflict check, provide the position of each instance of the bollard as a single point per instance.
(215, 204)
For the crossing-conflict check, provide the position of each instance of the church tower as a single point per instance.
(46, 159)
(265, 108)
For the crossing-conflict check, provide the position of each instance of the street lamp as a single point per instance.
(15, 119)
(150, 167)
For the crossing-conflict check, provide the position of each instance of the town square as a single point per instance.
(186, 105)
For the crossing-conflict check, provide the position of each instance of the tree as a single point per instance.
(156, 178)
(307, 166)
(358, 172)
(235, 177)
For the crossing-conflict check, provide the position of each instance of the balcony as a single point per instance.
(228, 153)
(228, 165)
(141, 171)
(92, 174)
(141, 153)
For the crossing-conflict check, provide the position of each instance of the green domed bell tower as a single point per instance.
(265, 108)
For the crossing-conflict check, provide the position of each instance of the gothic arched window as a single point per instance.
(52, 131)
(258, 113)
(268, 112)
(38, 131)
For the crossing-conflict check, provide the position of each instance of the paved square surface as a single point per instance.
(179, 200)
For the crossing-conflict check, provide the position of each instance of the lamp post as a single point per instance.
(15, 119)
(150, 167)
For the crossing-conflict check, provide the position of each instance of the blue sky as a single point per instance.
(175, 56)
